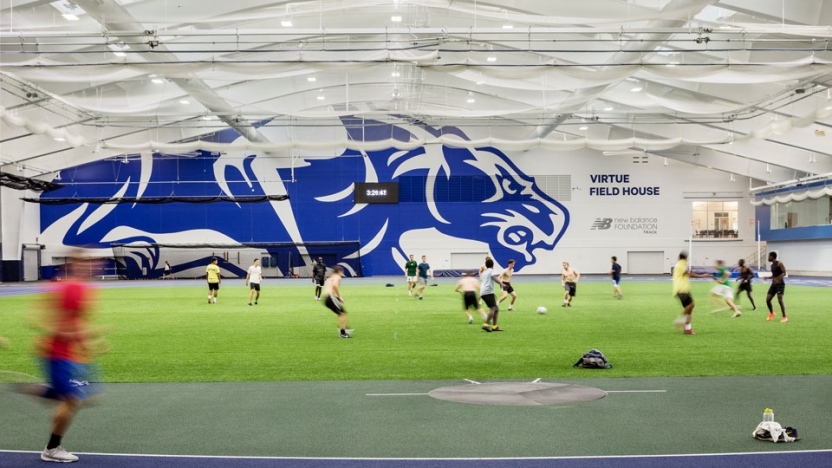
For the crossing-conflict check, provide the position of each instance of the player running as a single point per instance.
(569, 280)
(410, 274)
(505, 279)
(424, 272)
(616, 277)
(746, 275)
(778, 286)
(318, 277)
(723, 289)
(681, 289)
(469, 286)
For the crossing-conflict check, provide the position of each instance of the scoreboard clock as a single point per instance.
(376, 192)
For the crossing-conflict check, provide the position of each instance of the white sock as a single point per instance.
(687, 326)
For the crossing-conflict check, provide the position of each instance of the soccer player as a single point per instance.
(318, 277)
(410, 274)
(723, 290)
(746, 275)
(168, 274)
(487, 278)
(681, 289)
(334, 301)
(212, 275)
(616, 277)
(424, 272)
(569, 280)
(469, 286)
(778, 286)
(505, 280)
(67, 346)
(254, 277)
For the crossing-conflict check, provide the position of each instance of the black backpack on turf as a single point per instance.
(593, 359)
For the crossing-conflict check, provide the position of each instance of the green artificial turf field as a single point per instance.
(170, 334)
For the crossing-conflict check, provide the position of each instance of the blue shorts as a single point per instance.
(67, 379)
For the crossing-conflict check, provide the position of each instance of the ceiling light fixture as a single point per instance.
(396, 18)
(508, 26)
(607, 109)
(184, 101)
(395, 74)
(69, 10)
(491, 59)
(286, 23)
(311, 79)
(59, 139)
(70, 17)
(583, 127)
(471, 99)
(636, 89)
(158, 80)
(321, 98)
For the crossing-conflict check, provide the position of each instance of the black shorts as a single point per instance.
(507, 288)
(489, 300)
(744, 286)
(685, 298)
(319, 281)
(469, 300)
(213, 286)
(255, 286)
(777, 288)
(571, 287)
(333, 304)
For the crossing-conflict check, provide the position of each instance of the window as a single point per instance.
(715, 219)
(808, 212)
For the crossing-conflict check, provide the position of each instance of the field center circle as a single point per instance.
(518, 394)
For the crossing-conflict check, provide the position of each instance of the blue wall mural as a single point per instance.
(477, 194)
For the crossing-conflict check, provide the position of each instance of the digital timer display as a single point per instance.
(376, 192)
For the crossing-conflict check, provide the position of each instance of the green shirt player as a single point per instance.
(410, 274)
(723, 289)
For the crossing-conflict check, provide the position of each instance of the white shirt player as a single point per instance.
(255, 274)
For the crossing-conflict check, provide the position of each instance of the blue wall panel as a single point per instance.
(476, 195)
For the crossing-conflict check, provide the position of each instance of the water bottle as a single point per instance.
(768, 415)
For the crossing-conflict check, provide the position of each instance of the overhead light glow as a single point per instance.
(286, 23)
(158, 80)
(583, 127)
(396, 18)
(508, 26)
(321, 98)
(119, 54)
(636, 89)
(184, 101)
(491, 59)
(471, 100)
(395, 74)
(59, 139)
(607, 109)
(70, 17)
(311, 79)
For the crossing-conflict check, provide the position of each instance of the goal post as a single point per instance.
(144, 260)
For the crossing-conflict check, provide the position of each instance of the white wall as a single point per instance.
(809, 257)
(19, 222)
(679, 184)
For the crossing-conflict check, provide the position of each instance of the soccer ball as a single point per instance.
(541, 310)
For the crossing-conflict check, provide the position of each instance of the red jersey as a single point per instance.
(70, 302)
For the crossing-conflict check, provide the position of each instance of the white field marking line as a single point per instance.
(471, 381)
(676, 455)
(635, 391)
(395, 394)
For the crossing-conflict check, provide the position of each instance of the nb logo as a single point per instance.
(601, 224)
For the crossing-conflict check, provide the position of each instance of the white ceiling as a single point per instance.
(740, 86)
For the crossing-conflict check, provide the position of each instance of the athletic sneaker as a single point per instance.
(569, 305)
(770, 316)
(738, 314)
(563, 305)
(689, 332)
(784, 319)
(249, 304)
(620, 297)
(57, 454)
(754, 308)
(344, 335)
(209, 301)
(215, 300)
(255, 303)
(486, 327)
(421, 298)
(470, 320)
(510, 308)
(496, 329)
